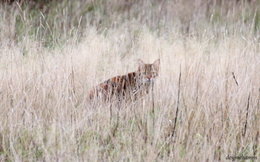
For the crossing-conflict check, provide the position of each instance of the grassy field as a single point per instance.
(206, 103)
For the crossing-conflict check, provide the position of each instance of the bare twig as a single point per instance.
(171, 135)
(178, 102)
(244, 132)
(234, 77)
(153, 115)
(256, 143)
(152, 98)
(73, 81)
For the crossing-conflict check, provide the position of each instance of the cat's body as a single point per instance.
(129, 86)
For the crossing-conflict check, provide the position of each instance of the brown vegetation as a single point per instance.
(204, 106)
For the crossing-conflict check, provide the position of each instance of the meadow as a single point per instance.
(205, 105)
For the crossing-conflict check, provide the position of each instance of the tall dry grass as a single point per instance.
(46, 73)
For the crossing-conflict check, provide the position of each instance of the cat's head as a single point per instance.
(148, 72)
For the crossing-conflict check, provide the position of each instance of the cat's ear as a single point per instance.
(140, 63)
(156, 63)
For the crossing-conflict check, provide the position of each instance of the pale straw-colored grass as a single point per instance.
(45, 113)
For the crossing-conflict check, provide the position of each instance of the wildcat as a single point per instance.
(130, 86)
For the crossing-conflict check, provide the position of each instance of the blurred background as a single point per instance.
(54, 21)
